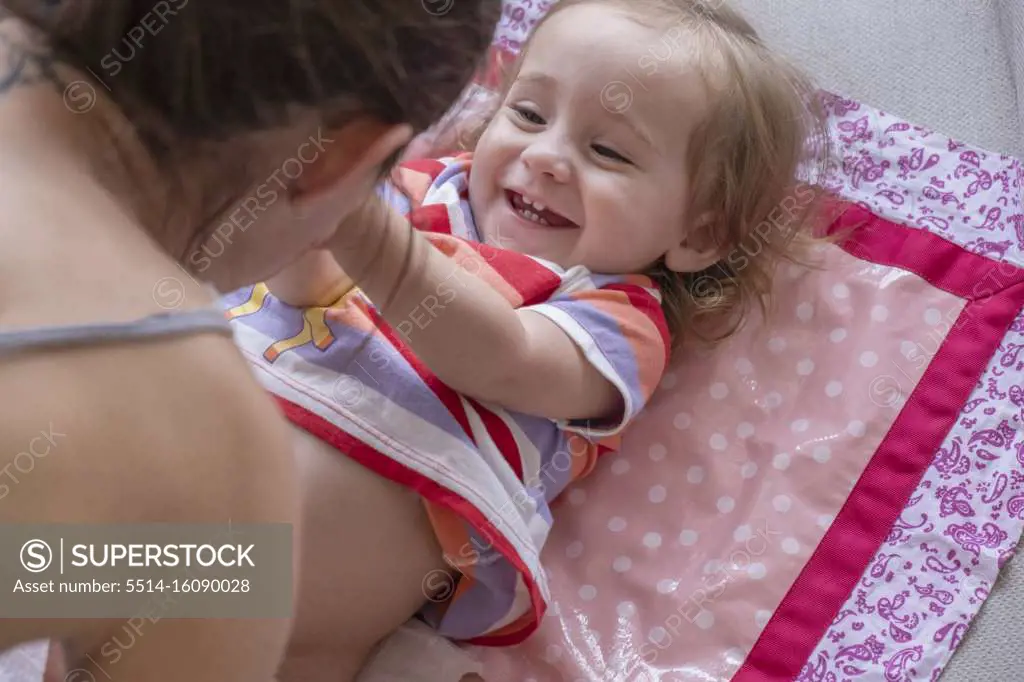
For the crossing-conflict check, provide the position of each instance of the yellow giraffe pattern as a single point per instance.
(314, 324)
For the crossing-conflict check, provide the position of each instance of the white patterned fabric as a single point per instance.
(938, 564)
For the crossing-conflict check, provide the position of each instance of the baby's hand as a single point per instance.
(362, 230)
(364, 239)
(314, 280)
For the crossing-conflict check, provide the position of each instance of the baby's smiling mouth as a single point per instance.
(536, 213)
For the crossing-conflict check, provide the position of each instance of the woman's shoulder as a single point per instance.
(147, 429)
(165, 431)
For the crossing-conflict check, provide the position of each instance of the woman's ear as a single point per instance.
(698, 249)
(350, 160)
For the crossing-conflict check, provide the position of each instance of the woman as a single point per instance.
(151, 148)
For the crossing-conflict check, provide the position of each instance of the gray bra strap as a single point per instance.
(162, 325)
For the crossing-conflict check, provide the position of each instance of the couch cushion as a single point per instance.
(944, 65)
(1011, 15)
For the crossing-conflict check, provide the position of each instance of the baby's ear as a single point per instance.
(698, 249)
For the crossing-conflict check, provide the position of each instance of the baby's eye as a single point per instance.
(609, 153)
(528, 116)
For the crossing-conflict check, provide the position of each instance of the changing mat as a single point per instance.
(831, 494)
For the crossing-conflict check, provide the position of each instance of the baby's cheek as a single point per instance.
(619, 207)
(642, 224)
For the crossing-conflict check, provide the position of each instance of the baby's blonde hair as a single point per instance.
(764, 128)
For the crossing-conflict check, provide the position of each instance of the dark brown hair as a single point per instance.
(188, 73)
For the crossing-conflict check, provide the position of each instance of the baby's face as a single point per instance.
(584, 164)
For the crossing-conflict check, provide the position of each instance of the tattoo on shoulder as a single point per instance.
(24, 61)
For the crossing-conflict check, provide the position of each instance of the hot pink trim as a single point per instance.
(995, 295)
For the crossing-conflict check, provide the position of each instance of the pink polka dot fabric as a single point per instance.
(673, 555)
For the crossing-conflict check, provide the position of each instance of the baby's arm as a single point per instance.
(314, 279)
(475, 342)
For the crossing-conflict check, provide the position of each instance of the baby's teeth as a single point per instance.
(537, 205)
(531, 216)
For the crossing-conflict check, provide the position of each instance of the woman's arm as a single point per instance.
(464, 330)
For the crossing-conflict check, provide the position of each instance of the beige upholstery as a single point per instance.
(956, 66)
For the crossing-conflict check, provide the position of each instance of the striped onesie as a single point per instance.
(487, 475)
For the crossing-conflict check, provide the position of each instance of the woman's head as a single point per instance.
(656, 136)
(268, 119)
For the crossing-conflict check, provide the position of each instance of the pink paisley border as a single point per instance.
(911, 607)
(896, 468)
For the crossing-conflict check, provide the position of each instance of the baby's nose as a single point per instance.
(547, 158)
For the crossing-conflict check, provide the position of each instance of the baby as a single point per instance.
(479, 335)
